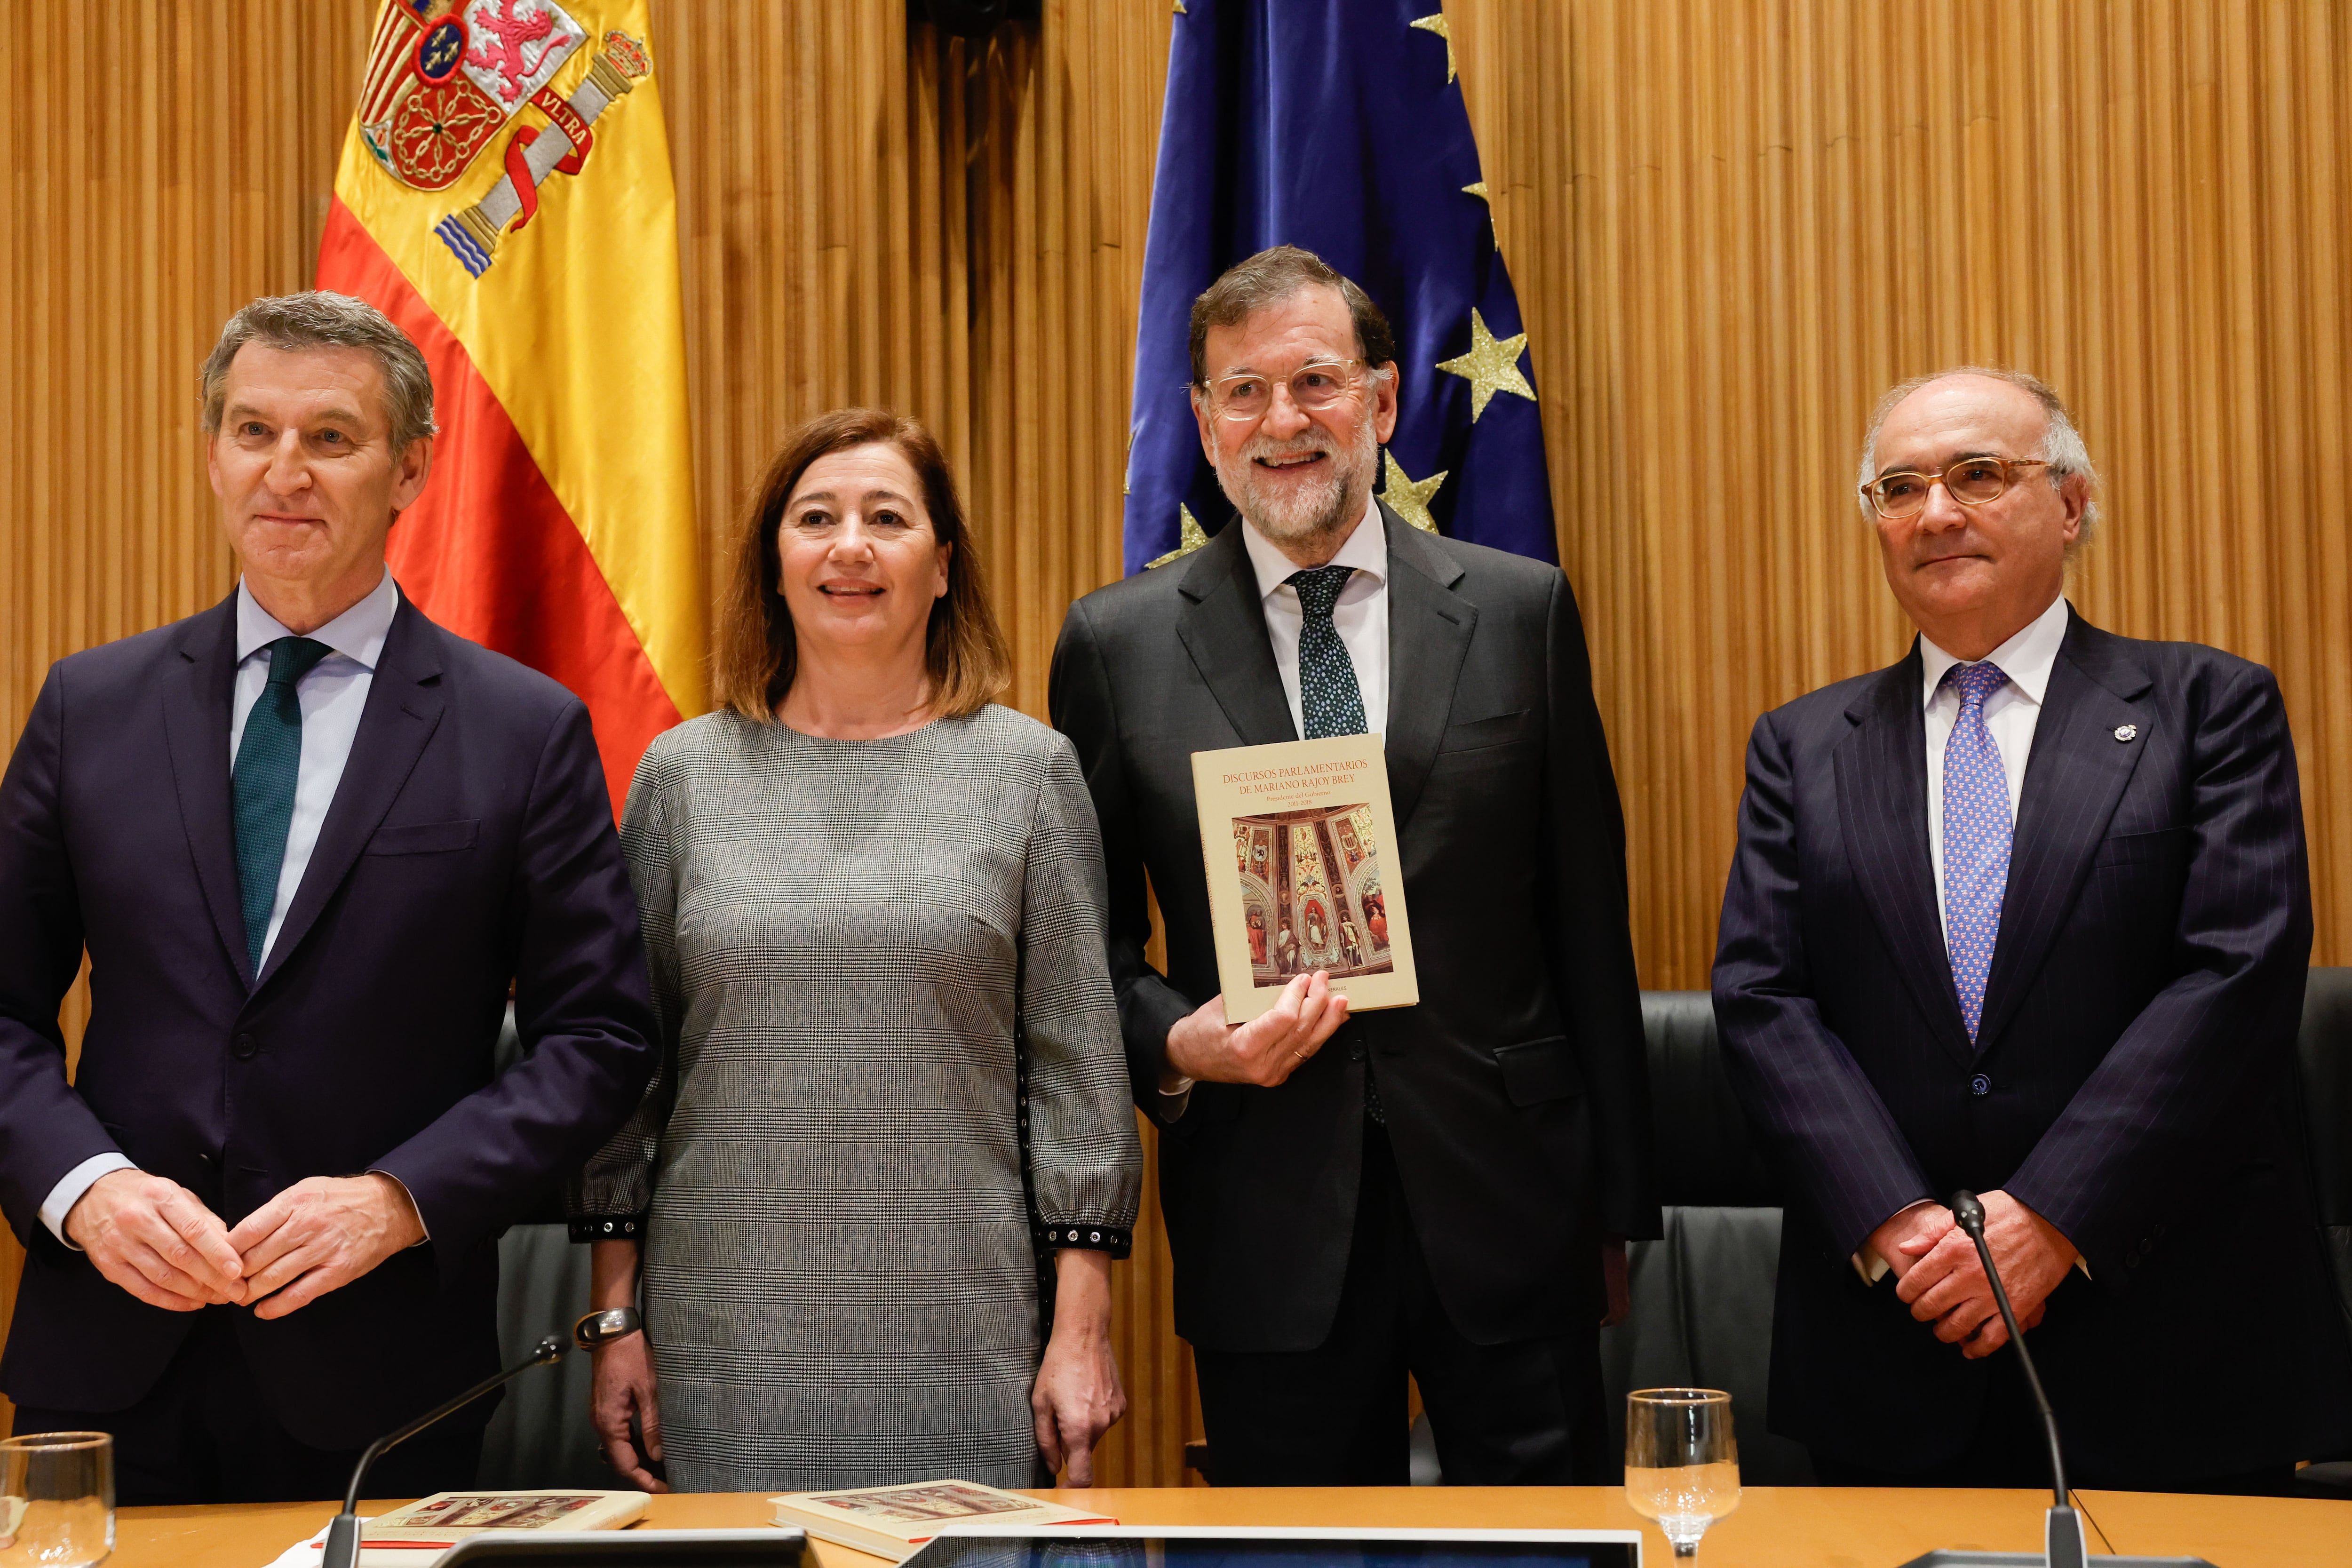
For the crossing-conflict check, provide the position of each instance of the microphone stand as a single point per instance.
(2062, 1538)
(2064, 1545)
(342, 1550)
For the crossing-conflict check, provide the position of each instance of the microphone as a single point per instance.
(342, 1549)
(2063, 1539)
(2064, 1545)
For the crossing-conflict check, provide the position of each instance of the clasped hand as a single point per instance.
(1266, 1050)
(157, 1240)
(1943, 1281)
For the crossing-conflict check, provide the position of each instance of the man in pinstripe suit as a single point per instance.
(2027, 913)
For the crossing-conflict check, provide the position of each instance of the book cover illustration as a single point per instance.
(1300, 846)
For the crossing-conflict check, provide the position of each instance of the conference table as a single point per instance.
(1815, 1527)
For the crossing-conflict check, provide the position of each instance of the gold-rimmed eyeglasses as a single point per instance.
(1315, 386)
(1972, 481)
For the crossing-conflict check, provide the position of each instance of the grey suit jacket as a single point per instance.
(1517, 1093)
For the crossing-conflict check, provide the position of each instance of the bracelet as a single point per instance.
(603, 1327)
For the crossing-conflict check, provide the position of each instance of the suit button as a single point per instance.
(244, 1048)
(1981, 1085)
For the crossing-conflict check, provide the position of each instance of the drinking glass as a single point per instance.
(1681, 1462)
(56, 1500)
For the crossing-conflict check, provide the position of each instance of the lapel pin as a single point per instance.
(2126, 731)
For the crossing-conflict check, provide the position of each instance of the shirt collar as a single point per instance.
(358, 634)
(2026, 658)
(1367, 550)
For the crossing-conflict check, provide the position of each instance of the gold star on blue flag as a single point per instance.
(1329, 125)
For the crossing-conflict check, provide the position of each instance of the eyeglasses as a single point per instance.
(1972, 481)
(1315, 386)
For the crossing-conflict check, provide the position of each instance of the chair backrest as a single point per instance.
(1702, 1307)
(1707, 1155)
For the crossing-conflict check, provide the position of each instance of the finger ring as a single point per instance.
(1300, 1055)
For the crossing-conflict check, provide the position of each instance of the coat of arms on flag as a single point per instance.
(444, 77)
(505, 196)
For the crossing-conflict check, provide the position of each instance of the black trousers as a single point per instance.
(2009, 1447)
(1526, 1413)
(205, 1434)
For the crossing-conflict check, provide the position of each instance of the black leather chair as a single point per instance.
(1702, 1311)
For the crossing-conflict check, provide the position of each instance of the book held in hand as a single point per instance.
(448, 1518)
(1300, 842)
(895, 1521)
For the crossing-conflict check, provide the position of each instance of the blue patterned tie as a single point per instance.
(1329, 701)
(268, 761)
(1977, 834)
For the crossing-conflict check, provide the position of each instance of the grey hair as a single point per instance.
(321, 318)
(2062, 443)
(1271, 277)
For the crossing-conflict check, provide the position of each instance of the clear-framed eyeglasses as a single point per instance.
(1972, 481)
(1315, 386)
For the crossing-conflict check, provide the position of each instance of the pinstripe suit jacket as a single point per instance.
(2132, 1080)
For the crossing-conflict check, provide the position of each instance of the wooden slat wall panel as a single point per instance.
(1731, 223)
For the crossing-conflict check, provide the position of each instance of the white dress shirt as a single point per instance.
(2010, 716)
(1361, 615)
(332, 696)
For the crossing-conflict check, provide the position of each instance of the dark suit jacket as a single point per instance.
(470, 844)
(1516, 1092)
(2131, 1080)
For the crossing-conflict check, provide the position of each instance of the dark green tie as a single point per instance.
(268, 761)
(1329, 701)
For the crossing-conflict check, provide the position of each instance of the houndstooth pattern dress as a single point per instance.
(863, 951)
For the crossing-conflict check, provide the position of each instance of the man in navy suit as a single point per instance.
(310, 842)
(2027, 913)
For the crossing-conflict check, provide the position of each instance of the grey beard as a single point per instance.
(1309, 519)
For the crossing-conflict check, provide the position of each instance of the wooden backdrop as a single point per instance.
(1731, 222)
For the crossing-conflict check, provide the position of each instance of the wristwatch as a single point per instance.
(603, 1327)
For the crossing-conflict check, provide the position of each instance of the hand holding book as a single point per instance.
(1266, 1050)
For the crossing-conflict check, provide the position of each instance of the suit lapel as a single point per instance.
(1882, 780)
(196, 735)
(2074, 777)
(403, 707)
(1429, 635)
(1221, 624)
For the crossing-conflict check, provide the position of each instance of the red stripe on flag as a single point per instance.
(489, 550)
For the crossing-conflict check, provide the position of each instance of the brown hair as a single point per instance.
(756, 657)
(1271, 277)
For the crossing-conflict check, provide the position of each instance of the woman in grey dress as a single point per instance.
(893, 1081)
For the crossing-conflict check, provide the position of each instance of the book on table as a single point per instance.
(1301, 847)
(896, 1521)
(451, 1517)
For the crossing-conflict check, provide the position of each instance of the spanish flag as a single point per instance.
(505, 196)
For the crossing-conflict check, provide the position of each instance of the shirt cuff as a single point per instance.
(1174, 1102)
(605, 1227)
(424, 1233)
(78, 1181)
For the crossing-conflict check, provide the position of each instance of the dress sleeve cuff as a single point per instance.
(606, 1227)
(1117, 1240)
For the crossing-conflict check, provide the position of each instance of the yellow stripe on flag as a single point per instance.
(574, 323)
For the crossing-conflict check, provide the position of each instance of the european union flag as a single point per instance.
(1338, 125)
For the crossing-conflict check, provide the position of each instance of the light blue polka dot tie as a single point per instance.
(1977, 834)
(1329, 701)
